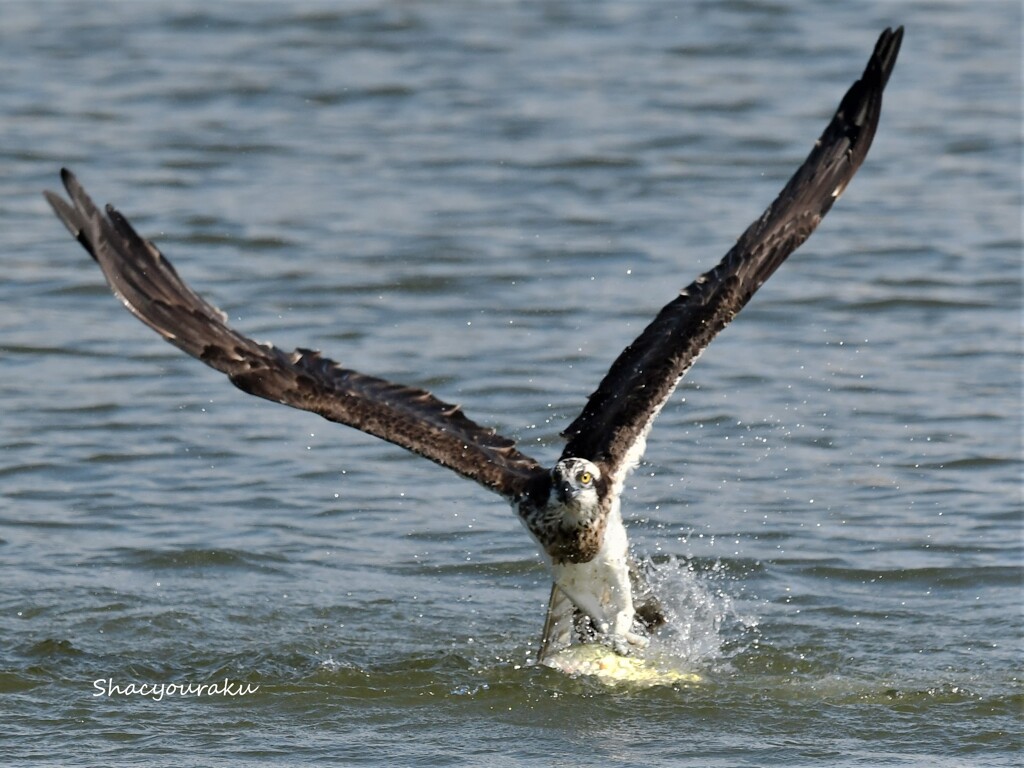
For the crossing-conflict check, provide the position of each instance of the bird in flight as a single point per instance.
(570, 509)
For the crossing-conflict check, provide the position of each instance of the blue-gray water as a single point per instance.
(490, 200)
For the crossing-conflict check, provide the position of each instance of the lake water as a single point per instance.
(491, 200)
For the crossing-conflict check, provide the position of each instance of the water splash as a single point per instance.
(704, 629)
(703, 620)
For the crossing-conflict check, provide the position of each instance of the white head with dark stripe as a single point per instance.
(576, 485)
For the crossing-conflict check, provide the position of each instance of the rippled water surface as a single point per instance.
(491, 200)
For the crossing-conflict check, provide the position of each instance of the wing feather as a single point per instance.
(558, 624)
(412, 418)
(612, 428)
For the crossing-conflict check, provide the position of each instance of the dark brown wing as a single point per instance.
(613, 426)
(412, 418)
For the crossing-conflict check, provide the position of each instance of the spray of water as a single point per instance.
(703, 619)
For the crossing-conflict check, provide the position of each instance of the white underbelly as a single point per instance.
(600, 588)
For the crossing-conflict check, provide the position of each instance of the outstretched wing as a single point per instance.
(614, 424)
(414, 419)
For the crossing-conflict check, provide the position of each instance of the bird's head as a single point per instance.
(576, 484)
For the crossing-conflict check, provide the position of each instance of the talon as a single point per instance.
(638, 641)
(621, 646)
(627, 644)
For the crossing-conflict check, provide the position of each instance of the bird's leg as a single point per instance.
(623, 639)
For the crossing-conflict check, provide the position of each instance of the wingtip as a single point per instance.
(52, 198)
(65, 212)
(68, 180)
(887, 49)
(71, 184)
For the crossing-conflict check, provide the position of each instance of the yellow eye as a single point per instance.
(585, 478)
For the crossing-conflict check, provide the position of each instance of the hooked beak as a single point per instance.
(565, 491)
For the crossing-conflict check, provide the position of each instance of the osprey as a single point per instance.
(570, 509)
